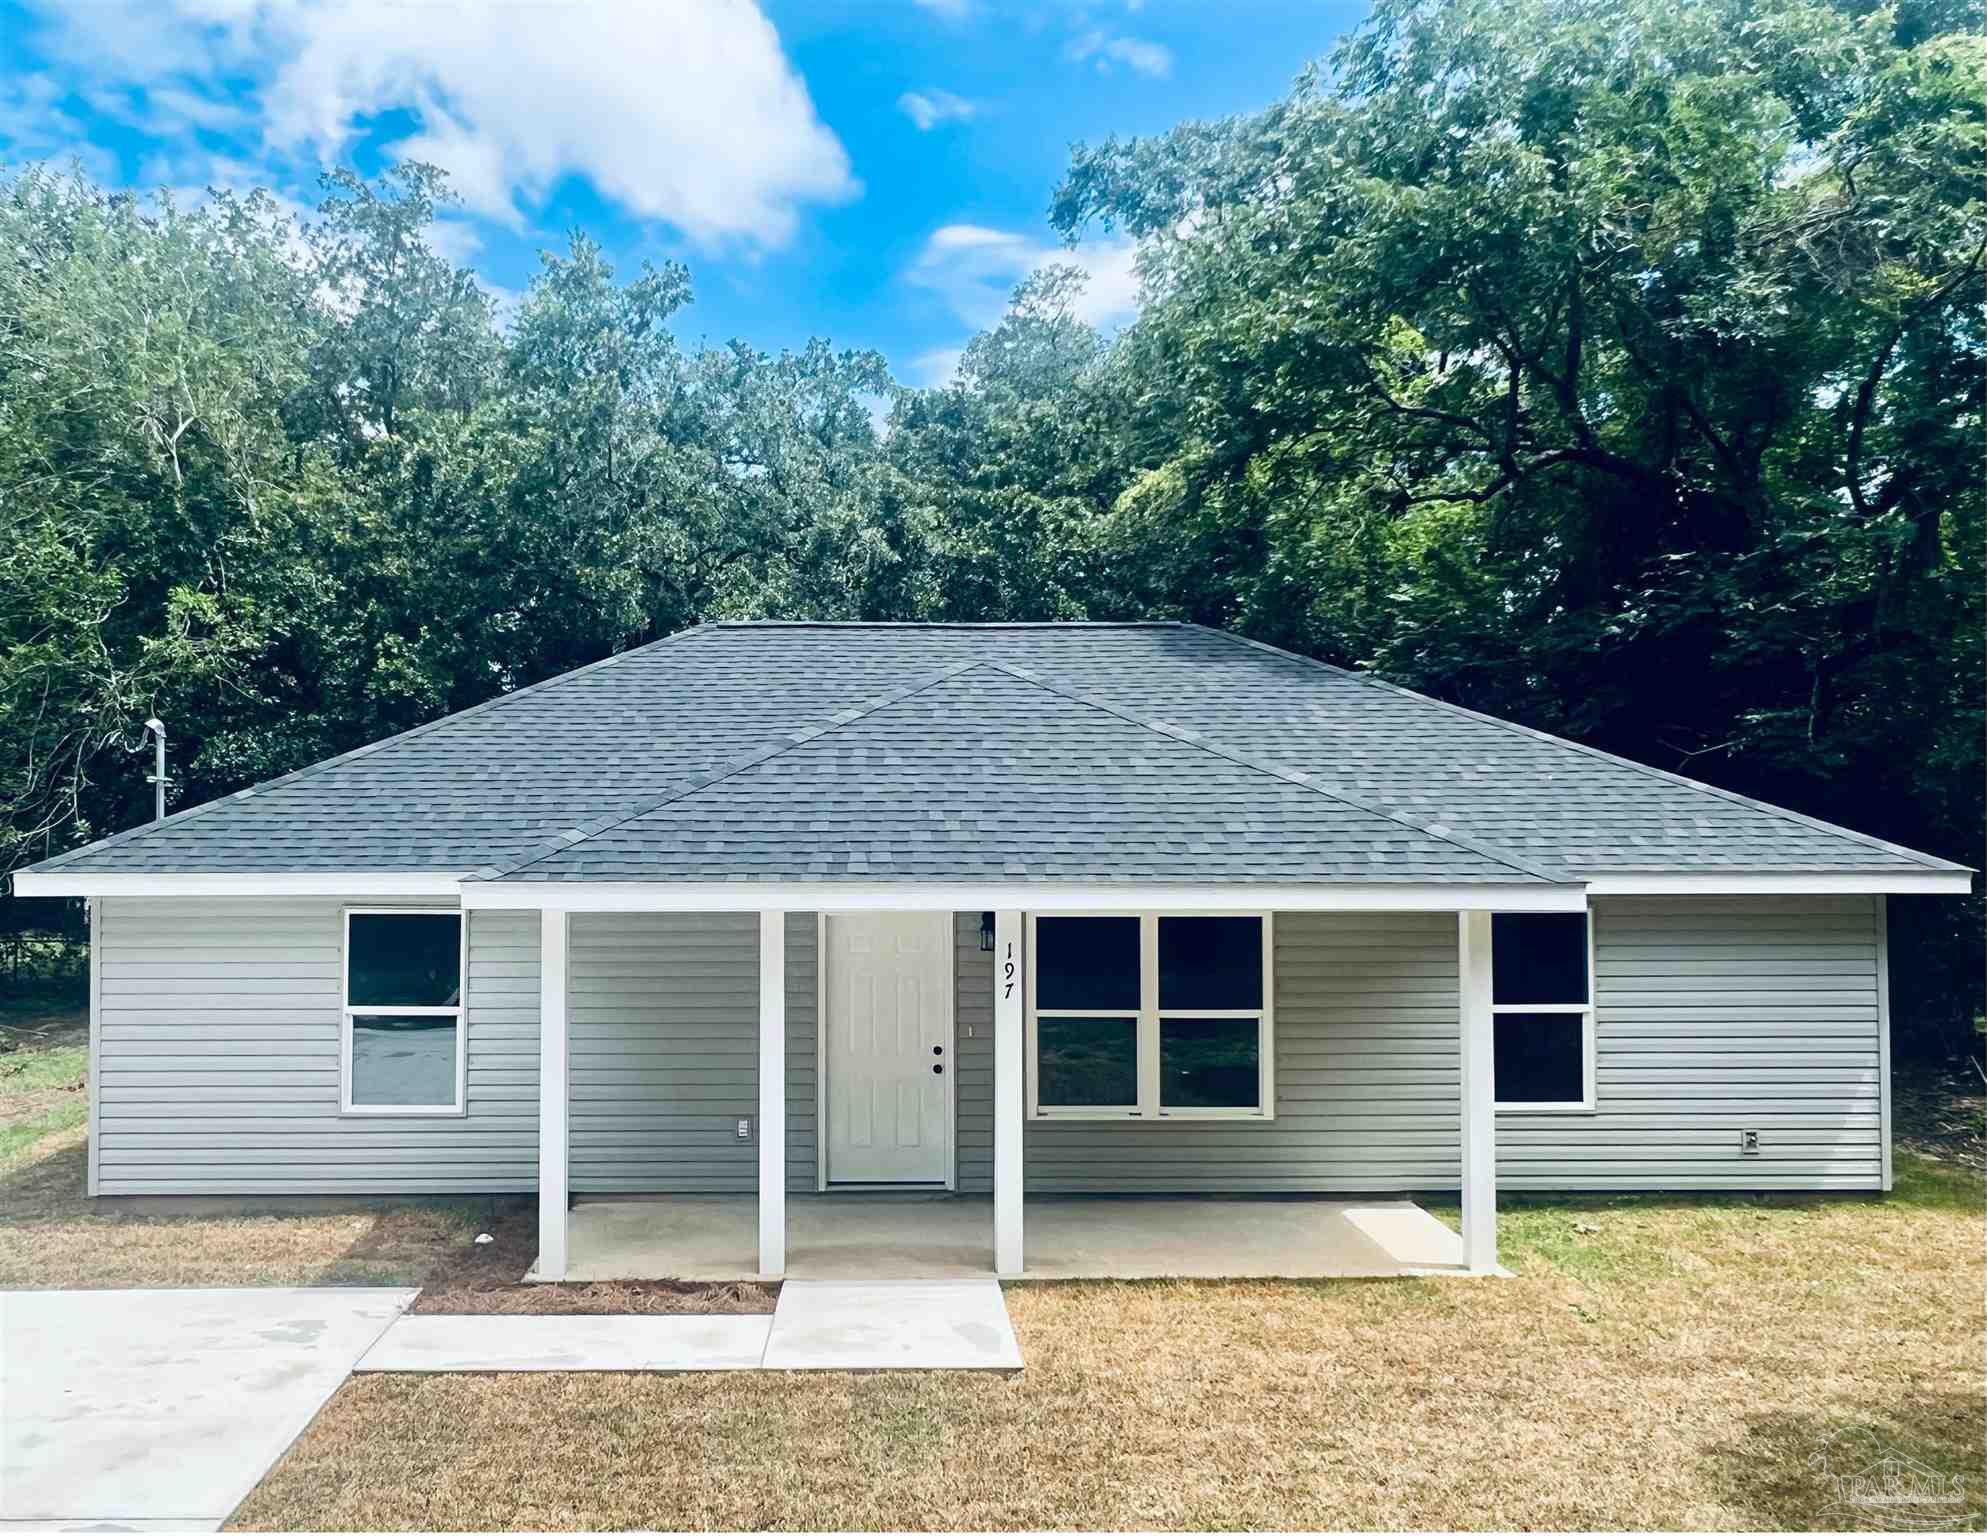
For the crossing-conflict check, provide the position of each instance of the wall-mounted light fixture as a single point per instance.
(986, 933)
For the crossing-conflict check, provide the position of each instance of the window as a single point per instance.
(1541, 990)
(401, 1050)
(1150, 1017)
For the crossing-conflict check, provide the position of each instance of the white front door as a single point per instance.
(888, 986)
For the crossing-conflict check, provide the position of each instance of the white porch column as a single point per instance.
(772, 1095)
(1009, 1092)
(1479, 1095)
(552, 1095)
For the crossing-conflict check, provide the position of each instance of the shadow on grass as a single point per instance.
(58, 1236)
(1914, 1466)
(49, 1187)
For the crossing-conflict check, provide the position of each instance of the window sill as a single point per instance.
(1546, 1109)
(1171, 1116)
(395, 1112)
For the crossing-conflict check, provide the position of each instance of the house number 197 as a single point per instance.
(1007, 971)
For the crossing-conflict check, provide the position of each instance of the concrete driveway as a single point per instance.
(165, 1406)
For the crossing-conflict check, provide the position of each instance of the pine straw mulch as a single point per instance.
(1658, 1362)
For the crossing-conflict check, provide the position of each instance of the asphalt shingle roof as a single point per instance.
(1038, 783)
(1053, 754)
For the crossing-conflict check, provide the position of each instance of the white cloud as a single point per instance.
(36, 128)
(974, 269)
(937, 367)
(930, 108)
(1135, 53)
(456, 241)
(687, 112)
(948, 10)
(175, 103)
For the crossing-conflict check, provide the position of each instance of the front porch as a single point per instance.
(1070, 1237)
(783, 1229)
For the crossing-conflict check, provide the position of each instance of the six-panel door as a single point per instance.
(888, 987)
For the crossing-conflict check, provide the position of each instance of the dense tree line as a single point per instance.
(1612, 365)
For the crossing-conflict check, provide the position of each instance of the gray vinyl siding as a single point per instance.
(803, 1044)
(1717, 1015)
(217, 1036)
(217, 1063)
(664, 1042)
(665, 1052)
(972, 1055)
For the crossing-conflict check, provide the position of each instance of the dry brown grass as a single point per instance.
(1656, 1363)
(52, 1235)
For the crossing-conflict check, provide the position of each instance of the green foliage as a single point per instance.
(1612, 365)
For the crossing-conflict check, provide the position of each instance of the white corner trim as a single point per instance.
(1884, 1123)
(57, 882)
(95, 1072)
(1044, 896)
(1903, 882)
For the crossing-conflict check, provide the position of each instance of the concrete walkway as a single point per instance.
(163, 1409)
(953, 1325)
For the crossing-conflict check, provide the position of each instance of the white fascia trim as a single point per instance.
(1903, 882)
(834, 896)
(58, 882)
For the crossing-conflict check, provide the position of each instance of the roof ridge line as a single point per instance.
(789, 741)
(311, 770)
(1813, 823)
(947, 624)
(1293, 776)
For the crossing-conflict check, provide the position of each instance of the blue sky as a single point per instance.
(873, 171)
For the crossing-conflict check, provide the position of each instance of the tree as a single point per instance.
(1616, 367)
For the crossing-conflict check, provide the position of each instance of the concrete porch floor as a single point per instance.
(1068, 1237)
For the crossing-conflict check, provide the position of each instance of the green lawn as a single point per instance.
(42, 1093)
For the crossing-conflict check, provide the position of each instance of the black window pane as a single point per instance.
(403, 1059)
(404, 960)
(1210, 962)
(1210, 1064)
(1539, 1058)
(1085, 1063)
(1538, 957)
(1086, 962)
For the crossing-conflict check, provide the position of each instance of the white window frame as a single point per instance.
(347, 1012)
(1587, 1103)
(1148, 1109)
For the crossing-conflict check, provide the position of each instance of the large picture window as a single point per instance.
(401, 1043)
(1542, 1010)
(1150, 1017)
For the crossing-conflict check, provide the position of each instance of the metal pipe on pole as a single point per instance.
(158, 774)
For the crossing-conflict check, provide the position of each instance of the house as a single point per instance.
(774, 910)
